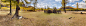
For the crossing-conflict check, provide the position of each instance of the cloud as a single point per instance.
(67, 5)
(72, 1)
(74, 5)
(59, 7)
(53, 2)
(24, 2)
(80, 5)
(28, 0)
(42, 5)
(20, 0)
(58, 0)
(84, 0)
(70, 4)
(45, 3)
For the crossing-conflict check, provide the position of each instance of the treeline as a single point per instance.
(75, 9)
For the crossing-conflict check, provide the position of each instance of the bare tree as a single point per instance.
(10, 5)
(18, 8)
(10, 1)
(35, 3)
(64, 2)
(0, 4)
(10, 8)
(77, 6)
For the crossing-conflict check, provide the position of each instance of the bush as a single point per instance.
(45, 11)
(49, 11)
(59, 11)
(54, 11)
(29, 10)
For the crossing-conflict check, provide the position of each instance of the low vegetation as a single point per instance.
(43, 19)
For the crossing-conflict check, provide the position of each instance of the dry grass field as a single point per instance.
(43, 19)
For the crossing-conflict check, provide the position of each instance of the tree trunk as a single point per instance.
(64, 7)
(17, 8)
(77, 6)
(0, 6)
(17, 11)
(10, 8)
(34, 8)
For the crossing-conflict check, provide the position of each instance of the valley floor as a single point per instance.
(43, 19)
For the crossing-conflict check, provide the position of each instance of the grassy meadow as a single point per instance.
(43, 19)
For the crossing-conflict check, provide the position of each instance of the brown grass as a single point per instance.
(43, 19)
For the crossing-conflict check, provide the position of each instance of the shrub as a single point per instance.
(49, 11)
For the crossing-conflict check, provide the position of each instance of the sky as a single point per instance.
(57, 3)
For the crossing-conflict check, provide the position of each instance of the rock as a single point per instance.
(20, 17)
(25, 18)
(70, 17)
(74, 17)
